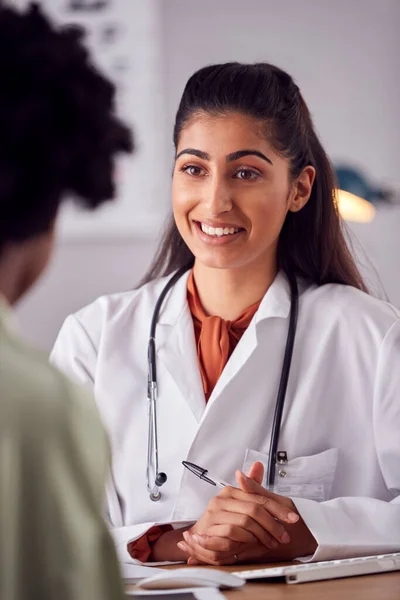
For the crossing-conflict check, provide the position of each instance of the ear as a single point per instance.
(302, 189)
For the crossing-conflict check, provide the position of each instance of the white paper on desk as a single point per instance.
(133, 573)
(206, 593)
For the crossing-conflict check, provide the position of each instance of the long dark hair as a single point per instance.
(312, 243)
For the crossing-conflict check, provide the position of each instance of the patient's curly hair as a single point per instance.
(58, 131)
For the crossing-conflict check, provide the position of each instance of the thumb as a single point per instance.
(257, 472)
(252, 483)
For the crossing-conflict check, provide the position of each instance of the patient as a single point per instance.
(58, 136)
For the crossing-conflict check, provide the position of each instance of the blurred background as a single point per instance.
(345, 57)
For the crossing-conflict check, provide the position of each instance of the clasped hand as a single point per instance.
(247, 524)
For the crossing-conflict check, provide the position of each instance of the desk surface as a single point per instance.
(366, 587)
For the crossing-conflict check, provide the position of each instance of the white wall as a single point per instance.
(79, 273)
(345, 56)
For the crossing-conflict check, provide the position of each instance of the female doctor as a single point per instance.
(254, 224)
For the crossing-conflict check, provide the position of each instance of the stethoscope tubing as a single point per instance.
(152, 389)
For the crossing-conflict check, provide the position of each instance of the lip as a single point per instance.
(217, 240)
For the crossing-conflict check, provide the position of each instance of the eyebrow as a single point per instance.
(241, 153)
(194, 152)
(230, 157)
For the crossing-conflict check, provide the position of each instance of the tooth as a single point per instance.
(203, 227)
(232, 230)
(219, 231)
(226, 230)
(211, 231)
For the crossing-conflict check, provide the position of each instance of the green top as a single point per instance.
(54, 461)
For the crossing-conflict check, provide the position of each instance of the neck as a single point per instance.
(21, 263)
(227, 293)
(10, 276)
(15, 262)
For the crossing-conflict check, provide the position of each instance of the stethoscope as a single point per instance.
(152, 441)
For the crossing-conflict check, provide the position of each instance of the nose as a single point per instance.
(218, 198)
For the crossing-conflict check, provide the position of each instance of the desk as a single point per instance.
(366, 587)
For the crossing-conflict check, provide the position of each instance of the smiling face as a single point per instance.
(231, 191)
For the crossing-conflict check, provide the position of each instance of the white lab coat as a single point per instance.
(340, 427)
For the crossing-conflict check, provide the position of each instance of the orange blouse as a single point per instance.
(216, 339)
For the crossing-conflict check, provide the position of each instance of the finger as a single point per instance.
(216, 544)
(196, 554)
(255, 514)
(253, 554)
(210, 557)
(239, 514)
(220, 547)
(197, 542)
(191, 553)
(272, 502)
(249, 553)
(256, 472)
(247, 486)
(253, 487)
(232, 532)
(194, 561)
(184, 547)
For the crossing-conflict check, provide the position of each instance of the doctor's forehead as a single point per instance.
(223, 134)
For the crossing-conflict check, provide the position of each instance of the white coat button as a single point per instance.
(282, 473)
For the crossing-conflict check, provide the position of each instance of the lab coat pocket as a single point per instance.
(303, 477)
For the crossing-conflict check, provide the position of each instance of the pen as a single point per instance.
(204, 474)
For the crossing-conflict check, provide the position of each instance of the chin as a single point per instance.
(219, 262)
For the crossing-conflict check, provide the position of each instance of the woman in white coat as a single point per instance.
(253, 210)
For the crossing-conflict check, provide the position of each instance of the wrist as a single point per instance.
(166, 549)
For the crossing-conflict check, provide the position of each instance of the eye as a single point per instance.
(192, 170)
(246, 174)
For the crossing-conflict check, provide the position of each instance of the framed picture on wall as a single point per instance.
(125, 41)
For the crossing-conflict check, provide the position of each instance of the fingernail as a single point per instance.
(273, 544)
(285, 538)
(293, 517)
(186, 536)
(196, 538)
(181, 546)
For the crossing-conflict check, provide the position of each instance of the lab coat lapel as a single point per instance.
(176, 348)
(237, 360)
(275, 304)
